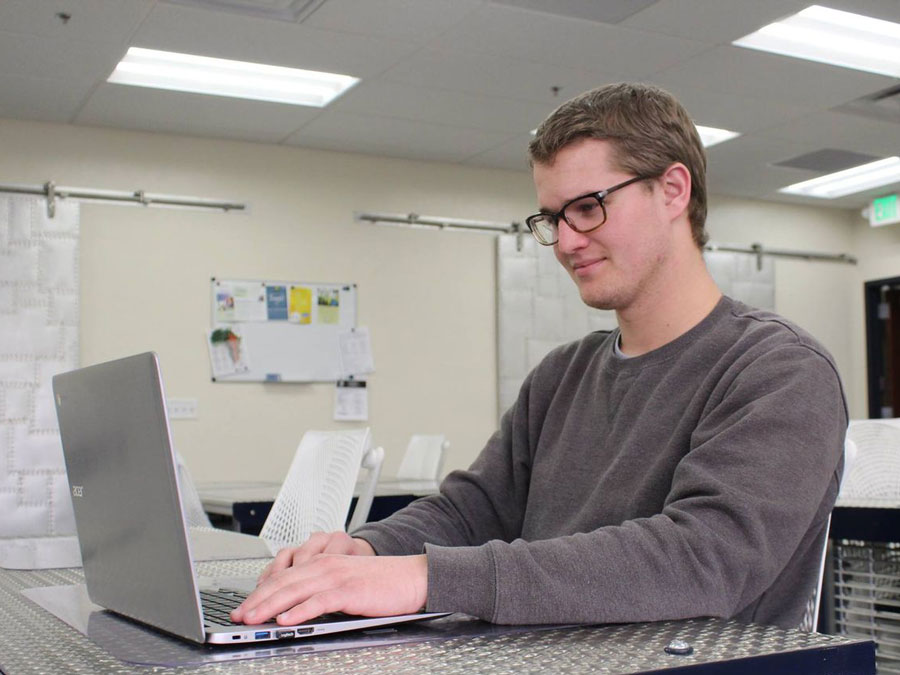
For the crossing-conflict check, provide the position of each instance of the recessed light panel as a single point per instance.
(223, 77)
(849, 181)
(834, 37)
(709, 136)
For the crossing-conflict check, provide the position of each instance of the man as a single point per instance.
(684, 465)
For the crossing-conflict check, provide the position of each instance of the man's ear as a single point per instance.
(676, 185)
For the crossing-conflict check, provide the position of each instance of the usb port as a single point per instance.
(283, 634)
(262, 634)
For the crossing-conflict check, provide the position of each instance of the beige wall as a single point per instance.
(817, 295)
(427, 297)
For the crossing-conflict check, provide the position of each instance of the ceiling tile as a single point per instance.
(729, 160)
(41, 99)
(534, 36)
(735, 112)
(58, 58)
(827, 160)
(495, 76)
(128, 107)
(748, 72)
(608, 11)
(511, 154)
(91, 20)
(840, 130)
(413, 20)
(745, 167)
(722, 22)
(232, 36)
(442, 107)
(393, 137)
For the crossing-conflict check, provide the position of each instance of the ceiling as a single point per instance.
(460, 81)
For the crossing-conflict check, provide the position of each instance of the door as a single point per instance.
(883, 346)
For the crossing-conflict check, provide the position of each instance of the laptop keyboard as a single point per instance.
(217, 606)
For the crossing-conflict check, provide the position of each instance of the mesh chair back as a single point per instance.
(873, 475)
(318, 489)
(424, 457)
(190, 500)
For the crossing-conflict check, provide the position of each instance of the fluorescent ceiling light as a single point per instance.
(832, 36)
(710, 135)
(849, 181)
(222, 77)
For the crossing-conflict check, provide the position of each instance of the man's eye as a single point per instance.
(585, 208)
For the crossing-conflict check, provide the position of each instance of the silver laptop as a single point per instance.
(135, 545)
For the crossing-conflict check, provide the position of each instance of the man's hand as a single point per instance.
(355, 584)
(320, 542)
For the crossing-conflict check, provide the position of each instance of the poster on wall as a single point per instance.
(351, 401)
(228, 353)
(279, 331)
(240, 301)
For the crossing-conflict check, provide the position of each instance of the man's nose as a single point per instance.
(570, 240)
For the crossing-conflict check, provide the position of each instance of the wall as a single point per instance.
(817, 295)
(428, 297)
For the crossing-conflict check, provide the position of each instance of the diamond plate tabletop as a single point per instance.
(34, 641)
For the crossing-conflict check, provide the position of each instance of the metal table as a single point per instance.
(34, 641)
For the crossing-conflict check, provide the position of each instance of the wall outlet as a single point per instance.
(182, 408)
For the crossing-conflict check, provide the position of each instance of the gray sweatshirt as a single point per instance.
(694, 480)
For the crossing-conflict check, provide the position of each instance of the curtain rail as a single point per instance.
(52, 192)
(415, 220)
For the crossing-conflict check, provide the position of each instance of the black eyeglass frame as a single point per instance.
(599, 196)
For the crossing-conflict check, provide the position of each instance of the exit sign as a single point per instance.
(884, 211)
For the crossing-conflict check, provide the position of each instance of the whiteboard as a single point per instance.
(289, 330)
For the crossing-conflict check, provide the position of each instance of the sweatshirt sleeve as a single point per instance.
(755, 487)
(484, 503)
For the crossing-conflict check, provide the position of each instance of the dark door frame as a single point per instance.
(874, 353)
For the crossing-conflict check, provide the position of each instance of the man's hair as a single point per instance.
(647, 128)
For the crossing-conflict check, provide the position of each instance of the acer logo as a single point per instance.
(77, 491)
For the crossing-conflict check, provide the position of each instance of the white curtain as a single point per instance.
(38, 338)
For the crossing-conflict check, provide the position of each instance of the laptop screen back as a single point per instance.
(118, 453)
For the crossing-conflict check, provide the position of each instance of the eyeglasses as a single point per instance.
(583, 214)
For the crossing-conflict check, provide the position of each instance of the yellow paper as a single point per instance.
(300, 305)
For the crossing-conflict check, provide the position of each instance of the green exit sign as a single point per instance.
(884, 211)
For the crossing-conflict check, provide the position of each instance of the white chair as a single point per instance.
(424, 457)
(873, 476)
(866, 581)
(372, 462)
(190, 499)
(318, 489)
(810, 620)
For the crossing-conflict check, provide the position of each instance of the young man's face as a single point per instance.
(616, 264)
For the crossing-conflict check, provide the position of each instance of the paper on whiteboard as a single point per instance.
(356, 352)
(240, 301)
(351, 401)
(228, 357)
